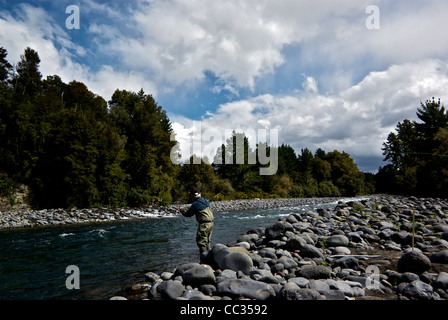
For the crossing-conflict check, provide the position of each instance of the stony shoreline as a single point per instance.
(360, 250)
(46, 217)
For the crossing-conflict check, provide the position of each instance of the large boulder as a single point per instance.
(287, 262)
(180, 270)
(314, 272)
(439, 257)
(310, 251)
(321, 286)
(347, 262)
(238, 261)
(277, 230)
(441, 281)
(337, 241)
(217, 254)
(199, 275)
(295, 242)
(419, 290)
(400, 237)
(346, 288)
(292, 219)
(244, 288)
(355, 205)
(226, 274)
(415, 262)
(291, 291)
(267, 253)
(171, 289)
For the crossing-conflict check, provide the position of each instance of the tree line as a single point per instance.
(74, 149)
(320, 174)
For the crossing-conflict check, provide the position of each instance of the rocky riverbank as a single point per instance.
(34, 218)
(47, 217)
(357, 250)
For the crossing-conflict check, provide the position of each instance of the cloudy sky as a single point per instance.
(324, 74)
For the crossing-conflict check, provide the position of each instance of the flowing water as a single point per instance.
(112, 255)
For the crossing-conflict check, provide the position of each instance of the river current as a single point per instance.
(112, 255)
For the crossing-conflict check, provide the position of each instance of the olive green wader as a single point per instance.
(205, 227)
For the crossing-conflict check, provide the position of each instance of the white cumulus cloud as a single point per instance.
(356, 120)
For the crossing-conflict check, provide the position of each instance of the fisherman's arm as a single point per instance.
(189, 213)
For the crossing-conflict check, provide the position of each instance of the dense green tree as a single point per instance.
(287, 161)
(305, 160)
(198, 174)
(148, 146)
(344, 174)
(19, 120)
(5, 66)
(236, 161)
(27, 80)
(306, 179)
(328, 189)
(433, 116)
(320, 153)
(415, 154)
(321, 169)
(399, 148)
(80, 154)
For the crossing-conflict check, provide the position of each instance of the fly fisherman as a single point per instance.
(204, 216)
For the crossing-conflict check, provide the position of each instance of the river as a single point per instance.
(111, 255)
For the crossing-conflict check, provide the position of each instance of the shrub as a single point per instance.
(5, 187)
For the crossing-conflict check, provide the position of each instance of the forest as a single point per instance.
(75, 149)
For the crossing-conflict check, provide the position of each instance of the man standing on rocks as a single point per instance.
(204, 216)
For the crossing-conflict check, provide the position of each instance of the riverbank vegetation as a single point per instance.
(75, 149)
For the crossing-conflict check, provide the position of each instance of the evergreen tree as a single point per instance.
(20, 120)
(305, 161)
(400, 148)
(27, 81)
(433, 116)
(235, 161)
(5, 66)
(287, 161)
(306, 180)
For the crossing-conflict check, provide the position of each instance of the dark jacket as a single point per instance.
(201, 208)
